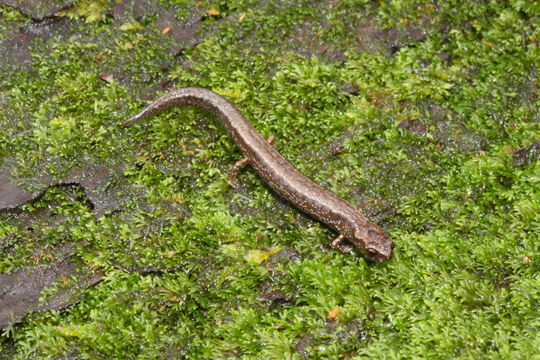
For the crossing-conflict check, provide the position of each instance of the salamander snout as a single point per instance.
(373, 242)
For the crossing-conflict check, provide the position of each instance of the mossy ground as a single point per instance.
(427, 103)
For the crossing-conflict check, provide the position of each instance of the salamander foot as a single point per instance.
(337, 244)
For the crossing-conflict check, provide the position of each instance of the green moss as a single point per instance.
(426, 141)
(89, 10)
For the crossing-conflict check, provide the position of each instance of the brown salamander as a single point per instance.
(313, 199)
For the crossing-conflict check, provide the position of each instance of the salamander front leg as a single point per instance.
(337, 244)
(233, 175)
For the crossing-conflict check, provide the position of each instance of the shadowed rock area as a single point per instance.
(100, 183)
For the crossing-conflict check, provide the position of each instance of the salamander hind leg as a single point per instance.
(239, 165)
(233, 175)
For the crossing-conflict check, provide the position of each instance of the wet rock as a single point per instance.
(11, 196)
(268, 292)
(303, 344)
(445, 57)
(104, 186)
(455, 136)
(369, 37)
(37, 9)
(272, 296)
(16, 49)
(185, 32)
(415, 127)
(450, 132)
(44, 27)
(306, 42)
(351, 89)
(41, 23)
(283, 255)
(332, 331)
(101, 185)
(527, 155)
(127, 10)
(275, 296)
(21, 290)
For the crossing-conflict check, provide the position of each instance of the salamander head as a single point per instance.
(372, 241)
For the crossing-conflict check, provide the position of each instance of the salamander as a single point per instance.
(280, 175)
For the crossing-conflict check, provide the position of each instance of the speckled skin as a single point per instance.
(313, 199)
